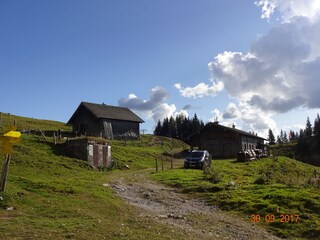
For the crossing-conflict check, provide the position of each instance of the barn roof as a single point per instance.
(230, 129)
(108, 112)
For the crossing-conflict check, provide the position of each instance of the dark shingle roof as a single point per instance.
(109, 112)
(216, 125)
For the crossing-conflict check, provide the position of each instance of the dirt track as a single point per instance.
(182, 212)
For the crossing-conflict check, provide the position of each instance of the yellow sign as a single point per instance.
(12, 134)
(9, 139)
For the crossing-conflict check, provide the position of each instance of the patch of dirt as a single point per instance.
(183, 212)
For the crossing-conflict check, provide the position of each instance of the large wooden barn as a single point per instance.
(106, 121)
(225, 142)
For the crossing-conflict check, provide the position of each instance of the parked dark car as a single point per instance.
(197, 159)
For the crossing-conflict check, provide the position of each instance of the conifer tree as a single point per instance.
(271, 138)
(308, 130)
(157, 130)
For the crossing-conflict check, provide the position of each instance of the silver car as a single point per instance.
(197, 159)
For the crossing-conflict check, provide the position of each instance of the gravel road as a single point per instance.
(182, 212)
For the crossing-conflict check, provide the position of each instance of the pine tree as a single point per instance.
(280, 137)
(285, 138)
(292, 135)
(308, 130)
(316, 126)
(279, 141)
(157, 130)
(271, 138)
(195, 124)
(179, 121)
(172, 129)
(165, 127)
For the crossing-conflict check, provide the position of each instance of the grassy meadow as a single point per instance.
(267, 186)
(51, 196)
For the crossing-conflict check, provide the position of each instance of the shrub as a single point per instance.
(211, 174)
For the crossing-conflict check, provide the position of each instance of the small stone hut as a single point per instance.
(96, 153)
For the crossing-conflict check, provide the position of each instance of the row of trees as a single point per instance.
(304, 134)
(179, 127)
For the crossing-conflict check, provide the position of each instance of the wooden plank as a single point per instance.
(100, 155)
(105, 155)
(95, 155)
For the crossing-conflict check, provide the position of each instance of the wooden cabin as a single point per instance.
(225, 142)
(101, 120)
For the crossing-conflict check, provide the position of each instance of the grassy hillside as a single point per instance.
(268, 186)
(50, 196)
(24, 123)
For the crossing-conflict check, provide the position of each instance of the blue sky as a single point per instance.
(153, 56)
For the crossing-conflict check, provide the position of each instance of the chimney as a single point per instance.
(233, 126)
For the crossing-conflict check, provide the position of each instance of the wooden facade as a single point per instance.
(224, 142)
(106, 121)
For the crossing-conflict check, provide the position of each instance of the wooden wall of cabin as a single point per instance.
(85, 123)
(225, 145)
(119, 127)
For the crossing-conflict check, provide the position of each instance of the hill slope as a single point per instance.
(50, 196)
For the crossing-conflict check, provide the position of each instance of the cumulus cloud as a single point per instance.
(251, 118)
(155, 107)
(267, 7)
(217, 115)
(281, 70)
(231, 112)
(181, 112)
(200, 90)
(289, 9)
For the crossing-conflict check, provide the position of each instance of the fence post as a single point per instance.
(5, 172)
(14, 122)
(171, 161)
(55, 138)
(162, 163)
(42, 133)
(156, 164)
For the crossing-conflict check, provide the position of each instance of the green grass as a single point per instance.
(233, 187)
(24, 123)
(57, 197)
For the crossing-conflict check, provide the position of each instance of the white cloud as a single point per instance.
(231, 112)
(217, 115)
(246, 117)
(267, 7)
(280, 72)
(162, 111)
(200, 90)
(276, 75)
(181, 112)
(131, 96)
(155, 107)
(289, 9)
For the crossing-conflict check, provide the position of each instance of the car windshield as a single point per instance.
(197, 154)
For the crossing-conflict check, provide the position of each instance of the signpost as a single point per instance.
(8, 139)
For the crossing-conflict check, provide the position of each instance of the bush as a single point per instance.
(212, 174)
